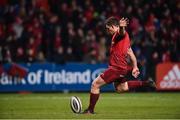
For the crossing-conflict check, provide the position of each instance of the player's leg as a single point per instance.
(94, 94)
(125, 86)
(121, 87)
(108, 76)
(136, 83)
(96, 84)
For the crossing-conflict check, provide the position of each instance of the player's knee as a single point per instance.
(121, 89)
(94, 85)
(97, 83)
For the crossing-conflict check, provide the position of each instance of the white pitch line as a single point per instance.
(68, 98)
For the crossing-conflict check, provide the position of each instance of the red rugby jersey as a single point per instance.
(118, 51)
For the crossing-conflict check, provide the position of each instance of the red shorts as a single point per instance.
(113, 74)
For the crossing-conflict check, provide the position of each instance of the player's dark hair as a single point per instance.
(112, 21)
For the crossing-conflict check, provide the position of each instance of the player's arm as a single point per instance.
(135, 71)
(122, 24)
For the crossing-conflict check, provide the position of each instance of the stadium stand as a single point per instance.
(62, 31)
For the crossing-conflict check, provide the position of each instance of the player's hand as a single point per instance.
(123, 22)
(135, 72)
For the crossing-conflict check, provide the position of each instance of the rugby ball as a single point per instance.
(76, 105)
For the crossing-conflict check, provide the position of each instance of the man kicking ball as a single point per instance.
(118, 68)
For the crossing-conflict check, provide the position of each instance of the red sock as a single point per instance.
(93, 100)
(136, 84)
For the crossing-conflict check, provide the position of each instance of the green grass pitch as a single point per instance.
(109, 106)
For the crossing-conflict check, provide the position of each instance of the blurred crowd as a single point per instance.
(61, 31)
